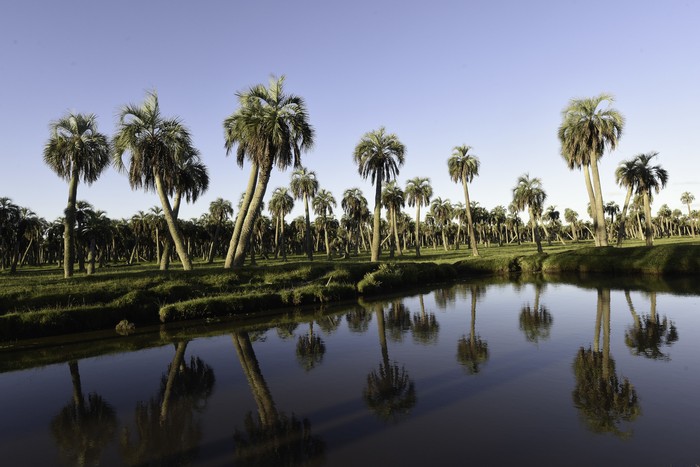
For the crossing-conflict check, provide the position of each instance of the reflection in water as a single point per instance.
(286, 330)
(536, 322)
(649, 334)
(167, 431)
(390, 393)
(272, 438)
(310, 349)
(472, 352)
(398, 320)
(604, 402)
(358, 319)
(329, 323)
(425, 326)
(83, 430)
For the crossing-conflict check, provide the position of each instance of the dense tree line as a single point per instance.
(271, 128)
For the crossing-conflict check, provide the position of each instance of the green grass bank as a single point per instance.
(40, 303)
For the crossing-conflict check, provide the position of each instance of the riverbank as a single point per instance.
(39, 303)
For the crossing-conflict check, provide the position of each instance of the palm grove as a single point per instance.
(271, 128)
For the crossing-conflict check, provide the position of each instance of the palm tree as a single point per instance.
(463, 167)
(271, 128)
(156, 145)
(625, 176)
(323, 205)
(393, 201)
(442, 212)
(355, 206)
(220, 210)
(587, 130)
(536, 321)
(191, 180)
(418, 193)
(304, 186)
(571, 217)
(379, 156)
(472, 351)
(281, 204)
(528, 193)
(75, 150)
(649, 178)
(687, 198)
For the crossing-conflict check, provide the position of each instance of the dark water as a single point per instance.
(499, 374)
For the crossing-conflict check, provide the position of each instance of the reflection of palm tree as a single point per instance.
(602, 399)
(472, 351)
(649, 333)
(536, 322)
(358, 319)
(273, 438)
(425, 326)
(167, 432)
(82, 430)
(389, 393)
(310, 349)
(398, 321)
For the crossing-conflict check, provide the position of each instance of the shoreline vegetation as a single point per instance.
(38, 302)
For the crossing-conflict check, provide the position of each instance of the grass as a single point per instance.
(38, 302)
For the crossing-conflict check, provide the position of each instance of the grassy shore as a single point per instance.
(38, 302)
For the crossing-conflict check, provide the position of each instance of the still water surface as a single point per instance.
(480, 374)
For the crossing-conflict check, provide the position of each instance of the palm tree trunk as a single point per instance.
(91, 257)
(252, 213)
(307, 234)
(328, 245)
(283, 243)
(172, 372)
(168, 243)
(601, 231)
(175, 233)
(417, 233)
(648, 232)
(242, 212)
(377, 215)
(472, 236)
(214, 241)
(69, 227)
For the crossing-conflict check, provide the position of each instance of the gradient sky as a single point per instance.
(491, 74)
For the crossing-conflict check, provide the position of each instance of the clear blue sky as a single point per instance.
(492, 74)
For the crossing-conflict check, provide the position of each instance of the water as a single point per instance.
(481, 374)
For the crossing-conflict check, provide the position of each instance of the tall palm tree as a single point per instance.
(625, 176)
(220, 210)
(75, 151)
(649, 178)
(418, 193)
(323, 205)
(281, 204)
(156, 145)
(528, 193)
(571, 217)
(304, 186)
(687, 198)
(271, 128)
(191, 180)
(463, 167)
(587, 130)
(379, 155)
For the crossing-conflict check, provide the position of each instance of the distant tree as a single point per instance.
(625, 176)
(528, 193)
(649, 178)
(463, 167)
(304, 186)
(323, 205)
(418, 193)
(220, 210)
(687, 198)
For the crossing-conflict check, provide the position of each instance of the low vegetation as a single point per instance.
(38, 302)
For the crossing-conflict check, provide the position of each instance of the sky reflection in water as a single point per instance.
(532, 373)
